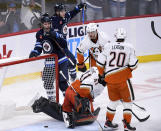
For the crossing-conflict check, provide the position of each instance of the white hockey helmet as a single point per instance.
(91, 27)
(120, 33)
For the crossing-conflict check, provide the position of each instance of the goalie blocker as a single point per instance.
(54, 110)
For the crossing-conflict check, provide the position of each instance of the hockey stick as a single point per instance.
(153, 29)
(142, 108)
(69, 84)
(63, 51)
(139, 119)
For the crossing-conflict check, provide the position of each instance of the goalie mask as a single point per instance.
(120, 33)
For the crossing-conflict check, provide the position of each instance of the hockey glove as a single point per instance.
(85, 104)
(101, 80)
(82, 67)
(53, 34)
(33, 53)
(81, 104)
(82, 5)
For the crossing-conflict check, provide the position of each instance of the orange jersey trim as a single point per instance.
(118, 76)
(83, 91)
(80, 58)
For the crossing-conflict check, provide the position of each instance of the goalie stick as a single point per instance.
(153, 29)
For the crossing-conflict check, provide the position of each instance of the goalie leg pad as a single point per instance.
(87, 118)
(50, 108)
(55, 111)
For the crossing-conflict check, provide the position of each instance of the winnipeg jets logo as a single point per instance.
(47, 47)
(65, 30)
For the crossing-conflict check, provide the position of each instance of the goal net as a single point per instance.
(22, 80)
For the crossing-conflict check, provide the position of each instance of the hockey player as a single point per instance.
(61, 17)
(94, 41)
(115, 65)
(59, 23)
(77, 106)
(45, 42)
(79, 96)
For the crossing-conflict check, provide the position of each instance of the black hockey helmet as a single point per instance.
(59, 7)
(45, 18)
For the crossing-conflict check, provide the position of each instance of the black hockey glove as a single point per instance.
(82, 5)
(33, 53)
(52, 34)
(101, 80)
(82, 67)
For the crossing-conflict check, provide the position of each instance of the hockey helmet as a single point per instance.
(120, 33)
(45, 18)
(91, 27)
(59, 7)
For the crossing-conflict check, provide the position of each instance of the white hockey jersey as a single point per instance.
(95, 48)
(88, 85)
(116, 57)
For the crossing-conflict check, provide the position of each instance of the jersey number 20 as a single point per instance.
(119, 58)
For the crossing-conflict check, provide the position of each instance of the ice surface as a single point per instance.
(147, 88)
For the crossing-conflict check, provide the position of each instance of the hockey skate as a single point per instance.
(109, 126)
(127, 126)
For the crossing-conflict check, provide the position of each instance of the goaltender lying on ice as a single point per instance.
(77, 108)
